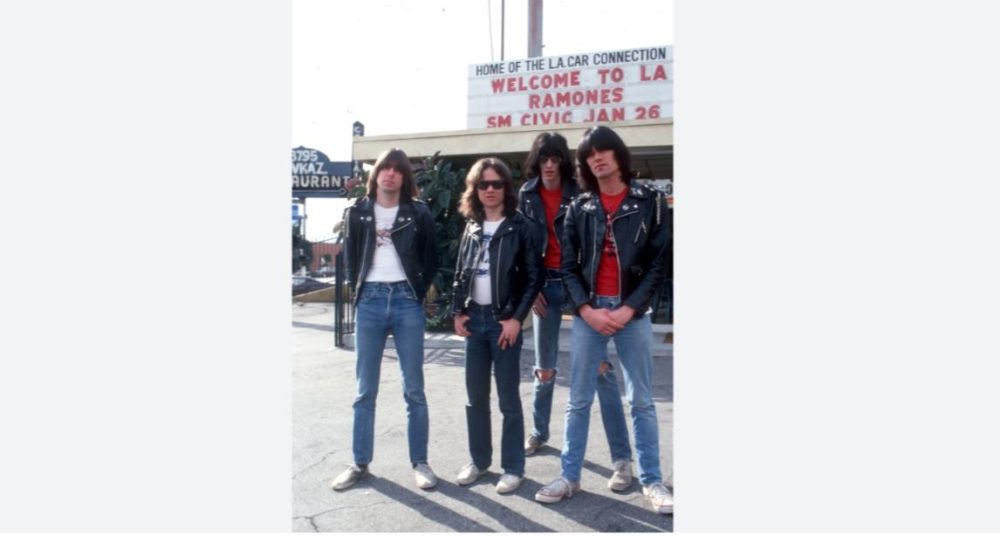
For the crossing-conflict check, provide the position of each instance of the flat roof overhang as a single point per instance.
(650, 137)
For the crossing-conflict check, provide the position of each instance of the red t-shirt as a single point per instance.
(551, 200)
(607, 270)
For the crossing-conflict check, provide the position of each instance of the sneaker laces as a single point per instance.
(658, 491)
(559, 486)
(423, 468)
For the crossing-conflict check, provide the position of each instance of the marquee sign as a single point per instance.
(597, 87)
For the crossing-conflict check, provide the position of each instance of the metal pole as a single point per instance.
(534, 28)
(503, 18)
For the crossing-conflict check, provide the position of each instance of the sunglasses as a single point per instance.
(546, 159)
(497, 185)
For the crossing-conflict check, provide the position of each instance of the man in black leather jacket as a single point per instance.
(614, 257)
(391, 259)
(544, 199)
(497, 276)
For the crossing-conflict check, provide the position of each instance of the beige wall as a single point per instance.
(638, 135)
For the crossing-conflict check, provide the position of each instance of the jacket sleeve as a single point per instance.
(428, 251)
(460, 284)
(569, 266)
(351, 240)
(534, 278)
(660, 241)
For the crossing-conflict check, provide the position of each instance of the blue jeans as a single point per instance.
(546, 336)
(481, 353)
(385, 307)
(587, 350)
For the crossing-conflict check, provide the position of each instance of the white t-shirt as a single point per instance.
(386, 266)
(481, 291)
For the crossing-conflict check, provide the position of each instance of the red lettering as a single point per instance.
(497, 85)
(546, 118)
(659, 74)
(573, 98)
(495, 121)
(601, 114)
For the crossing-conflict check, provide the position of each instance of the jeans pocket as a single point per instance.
(407, 293)
(368, 292)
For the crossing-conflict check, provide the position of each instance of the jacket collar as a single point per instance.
(569, 187)
(367, 204)
(509, 223)
(590, 201)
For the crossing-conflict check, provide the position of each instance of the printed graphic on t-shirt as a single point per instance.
(383, 235)
(610, 248)
(483, 270)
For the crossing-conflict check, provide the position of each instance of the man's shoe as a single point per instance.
(556, 490)
(424, 476)
(661, 498)
(509, 483)
(532, 444)
(469, 474)
(622, 478)
(349, 477)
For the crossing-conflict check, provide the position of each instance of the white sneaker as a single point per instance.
(556, 490)
(622, 478)
(469, 474)
(509, 483)
(532, 444)
(424, 476)
(349, 477)
(661, 498)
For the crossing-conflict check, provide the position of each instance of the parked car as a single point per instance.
(302, 284)
(324, 271)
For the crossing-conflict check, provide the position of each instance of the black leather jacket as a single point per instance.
(643, 231)
(412, 236)
(530, 203)
(515, 267)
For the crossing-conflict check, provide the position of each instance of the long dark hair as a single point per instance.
(470, 206)
(550, 144)
(396, 159)
(602, 138)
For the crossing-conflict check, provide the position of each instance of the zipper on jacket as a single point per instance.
(642, 227)
(364, 258)
(408, 282)
(618, 258)
(496, 285)
(593, 264)
(475, 266)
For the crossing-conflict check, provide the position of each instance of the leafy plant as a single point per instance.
(441, 188)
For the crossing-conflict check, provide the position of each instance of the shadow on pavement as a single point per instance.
(426, 507)
(604, 514)
(510, 519)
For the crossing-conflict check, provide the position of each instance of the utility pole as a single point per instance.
(503, 19)
(534, 28)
